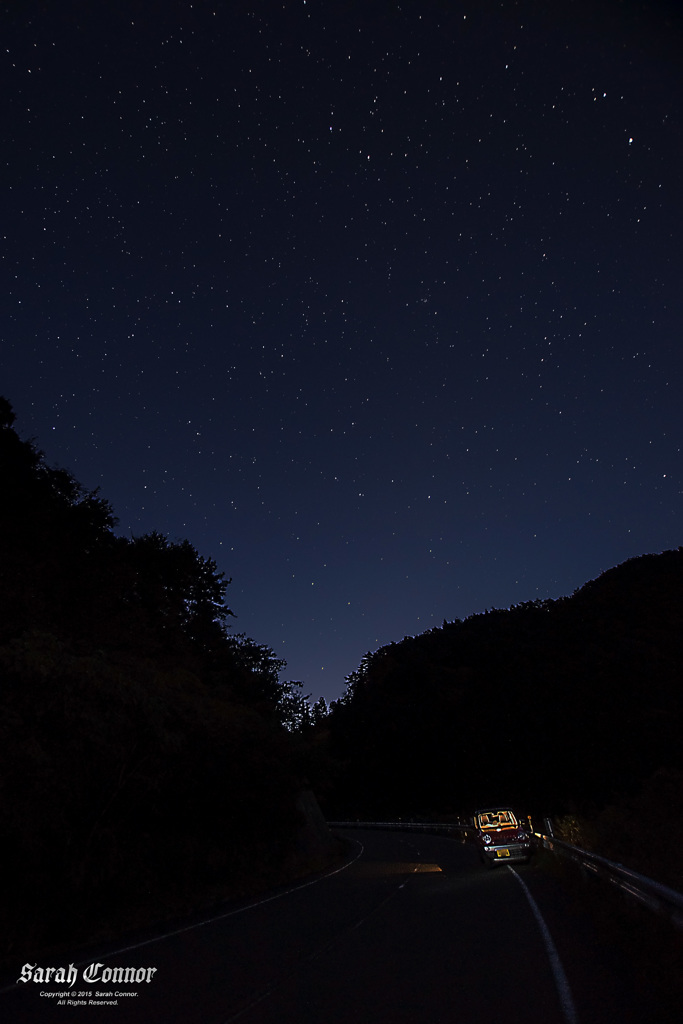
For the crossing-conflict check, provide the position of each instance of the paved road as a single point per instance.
(412, 931)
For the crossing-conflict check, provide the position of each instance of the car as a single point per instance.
(500, 836)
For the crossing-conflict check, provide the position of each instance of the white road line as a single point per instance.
(241, 910)
(217, 917)
(563, 989)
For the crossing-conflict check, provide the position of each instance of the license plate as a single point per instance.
(503, 853)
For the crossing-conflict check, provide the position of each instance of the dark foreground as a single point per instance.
(413, 930)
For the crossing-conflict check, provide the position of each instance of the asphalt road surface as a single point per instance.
(411, 930)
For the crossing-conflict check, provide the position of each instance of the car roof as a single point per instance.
(494, 810)
(495, 807)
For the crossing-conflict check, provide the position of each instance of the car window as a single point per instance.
(497, 819)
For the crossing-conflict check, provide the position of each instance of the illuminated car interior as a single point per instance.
(497, 819)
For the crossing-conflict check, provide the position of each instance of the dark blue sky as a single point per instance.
(379, 304)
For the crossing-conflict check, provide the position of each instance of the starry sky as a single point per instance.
(376, 302)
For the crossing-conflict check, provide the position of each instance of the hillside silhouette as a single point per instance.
(144, 761)
(552, 705)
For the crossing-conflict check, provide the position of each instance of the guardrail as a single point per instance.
(656, 897)
(406, 826)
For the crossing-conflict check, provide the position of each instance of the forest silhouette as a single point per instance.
(552, 703)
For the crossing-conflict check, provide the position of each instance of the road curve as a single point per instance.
(412, 930)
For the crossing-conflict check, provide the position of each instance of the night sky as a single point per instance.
(379, 304)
